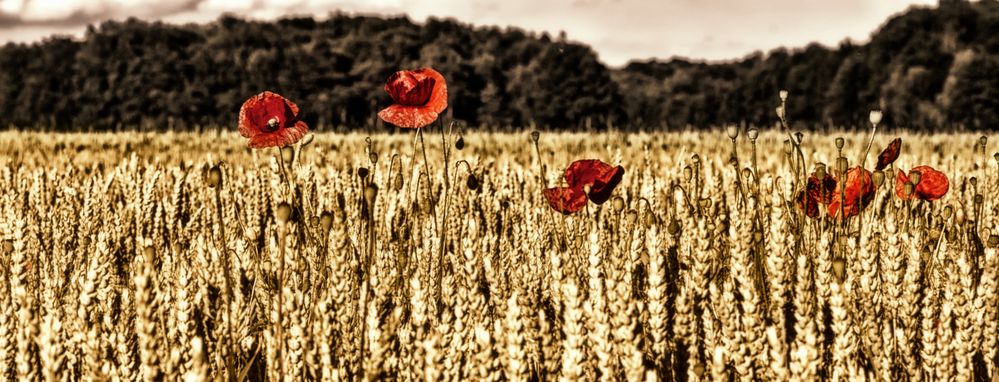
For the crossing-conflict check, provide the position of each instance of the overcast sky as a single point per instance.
(619, 30)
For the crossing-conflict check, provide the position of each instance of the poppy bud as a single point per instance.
(398, 182)
(460, 143)
(752, 133)
(287, 154)
(783, 95)
(973, 181)
(780, 112)
(8, 246)
(798, 136)
(732, 131)
(535, 135)
(314, 221)
(373, 157)
(947, 212)
(326, 221)
(983, 141)
(618, 204)
(687, 173)
(213, 177)
(283, 212)
(840, 142)
(362, 172)
(839, 268)
(875, 116)
(915, 176)
(472, 182)
(747, 173)
(370, 192)
(842, 164)
(696, 159)
(820, 170)
(879, 178)
(631, 217)
(993, 241)
(673, 228)
(908, 189)
(979, 199)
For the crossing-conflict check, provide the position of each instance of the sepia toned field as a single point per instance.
(124, 258)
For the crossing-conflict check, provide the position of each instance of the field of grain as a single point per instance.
(124, 258)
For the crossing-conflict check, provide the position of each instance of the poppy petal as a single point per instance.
(932, 184)
(257, 111)
(565, 199)
(409, 117)
(858, 192)
(438, 97)
(601, 177)
(889, 155)
(281, 137)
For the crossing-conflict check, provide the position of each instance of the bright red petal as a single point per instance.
(932, 185)
(889, 155)
(438, 98)
(859, 192)
(601, 177)
(281, 137)
(900, 180)
(565, 199)
(410, 117)
(258, 110)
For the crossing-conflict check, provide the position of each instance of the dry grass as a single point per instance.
(119, 262)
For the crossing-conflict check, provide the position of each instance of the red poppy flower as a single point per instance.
(566, 199)
(859, 192)
(889, 155)
(816, 192)
(419, 96)
(269, 120)
(932, 184)
(601, 179)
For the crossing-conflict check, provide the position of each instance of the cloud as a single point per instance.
(618, 30)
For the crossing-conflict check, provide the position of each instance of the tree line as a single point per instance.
(927, 68)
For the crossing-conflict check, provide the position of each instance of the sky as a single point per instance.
(618, 30)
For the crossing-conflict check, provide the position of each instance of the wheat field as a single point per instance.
(182, 256)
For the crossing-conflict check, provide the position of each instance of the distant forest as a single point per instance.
(927, 68)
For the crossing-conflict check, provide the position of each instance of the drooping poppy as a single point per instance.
(270, 120)
(932, 184)
(858, 192)
(589, 178)
(817, 191)
(419, 96)
(889, 155)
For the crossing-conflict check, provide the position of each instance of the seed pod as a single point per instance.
(973, 181)
(908, 189)
(840, 142)
(875, 116)
(673, 228)
(993, 241)
(979, 199)
(213, 177)
(820, 171)
(373, 157)
(535, 135)
(326, 221)
(915, 176)
(783, 95)
(362, 172)
(370, 192)
(747, 173)
(618, 204)
(472, 182)
(752, 133)
(398, 182)
(283, 212)
(948, 211)
(695, 159)
(842, 164)
(878, 177)
(631, 217)
(688, 173)
(314, 221)
(699, 370)
(983, 141)
(839, 268)
(459, 143)
(732, 131)
(148, 252)
(287, 154)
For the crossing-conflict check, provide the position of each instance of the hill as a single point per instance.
(927, 67)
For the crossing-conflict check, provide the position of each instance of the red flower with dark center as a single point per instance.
(270, 120)
(889, 155)
(859, 192)
(419, 95)
(816, 192)
(932, 184)
(601, 179)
